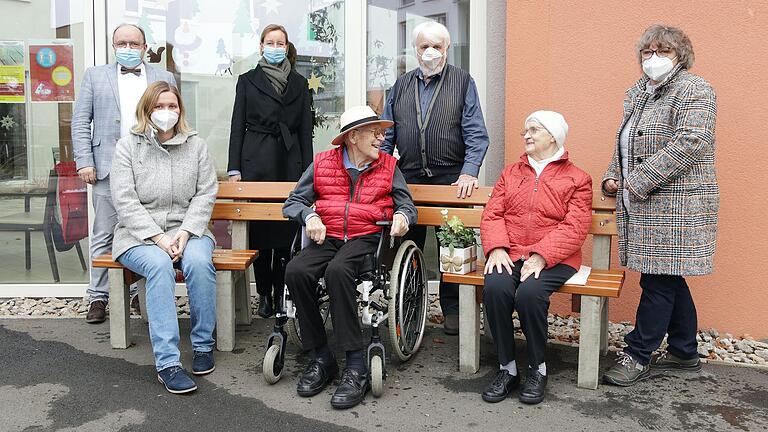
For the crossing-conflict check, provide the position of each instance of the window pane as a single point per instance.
(208, 44)
(390, 51)
(43, 206)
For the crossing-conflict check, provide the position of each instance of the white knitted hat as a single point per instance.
(553, 122)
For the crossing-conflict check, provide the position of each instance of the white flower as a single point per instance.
(444, 212)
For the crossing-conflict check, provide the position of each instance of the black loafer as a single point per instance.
(316, 376)
(265, 306)
(351, 390)
(533, 389)
(501, 386)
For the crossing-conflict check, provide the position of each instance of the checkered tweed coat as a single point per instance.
(671, 224)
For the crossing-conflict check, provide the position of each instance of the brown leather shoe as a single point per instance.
(97, 312)
(451, 325)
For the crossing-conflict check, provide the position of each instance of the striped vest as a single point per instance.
(439, 141)
(346, 217)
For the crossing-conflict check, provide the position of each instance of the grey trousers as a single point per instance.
(104, 221)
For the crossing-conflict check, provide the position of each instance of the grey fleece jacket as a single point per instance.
(161, 188)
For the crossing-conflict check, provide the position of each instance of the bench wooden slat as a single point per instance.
(602, 283)
(434, 195)
(248, 211)
(262, 191)
(223, 259)
(602, 202)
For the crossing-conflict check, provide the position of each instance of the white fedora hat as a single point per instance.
(356, 117)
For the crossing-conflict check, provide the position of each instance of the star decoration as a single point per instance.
(315, 83)
(7, 122)
(271, 6)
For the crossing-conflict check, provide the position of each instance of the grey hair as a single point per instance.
(431, 30)
(667, 35)
(141, 30)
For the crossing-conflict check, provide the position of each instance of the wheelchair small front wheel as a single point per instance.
(272, 369)
(377, 376)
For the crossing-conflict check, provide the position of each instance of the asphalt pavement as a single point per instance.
(62, 375)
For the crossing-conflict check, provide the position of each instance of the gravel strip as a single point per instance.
(713, 345)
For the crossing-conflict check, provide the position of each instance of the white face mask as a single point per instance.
(657, 68)
(165, 119)
(431, 61)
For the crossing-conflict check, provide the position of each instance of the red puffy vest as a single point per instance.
(347, 217)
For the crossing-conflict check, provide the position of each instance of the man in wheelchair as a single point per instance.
(352, 187)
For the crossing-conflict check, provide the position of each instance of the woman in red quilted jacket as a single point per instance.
(532, 231)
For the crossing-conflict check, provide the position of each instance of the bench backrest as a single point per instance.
(251, 201)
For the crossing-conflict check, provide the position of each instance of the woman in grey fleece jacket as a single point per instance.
(164, 188)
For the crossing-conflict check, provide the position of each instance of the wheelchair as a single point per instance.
(392, 290)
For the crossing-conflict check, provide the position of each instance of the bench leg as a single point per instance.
(225, 311)
(469, 330)
(119, 310)
(589, 341)
(604, 328)
(242, 297)
(142, 293)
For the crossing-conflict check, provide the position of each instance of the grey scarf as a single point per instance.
(277, 74)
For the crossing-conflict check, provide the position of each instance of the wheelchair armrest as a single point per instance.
(384, 223)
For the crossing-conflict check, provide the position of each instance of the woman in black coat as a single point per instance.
(271, 140)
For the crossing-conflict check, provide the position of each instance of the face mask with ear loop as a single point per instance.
(657, 68)
(431, 60)
(164, 119)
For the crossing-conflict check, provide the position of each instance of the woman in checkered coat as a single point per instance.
(663, 172)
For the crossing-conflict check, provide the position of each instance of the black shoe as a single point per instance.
(451, 325)
(533, 389)
(97, 312)
(351, 390)
(316, 376)
(265, 306)
(501, 386)
(626, 372)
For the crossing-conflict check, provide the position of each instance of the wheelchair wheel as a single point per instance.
(377, 376)
(293, 329)
(271, 368)
(409, 297)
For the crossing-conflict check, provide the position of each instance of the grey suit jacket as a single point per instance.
(99, 103)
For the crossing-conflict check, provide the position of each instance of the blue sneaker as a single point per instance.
(202, 363)
(176, 380)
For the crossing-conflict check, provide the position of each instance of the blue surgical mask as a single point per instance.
(274, 55)
(128, 57)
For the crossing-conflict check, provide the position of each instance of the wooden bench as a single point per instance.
(590, 299)
(231, 276)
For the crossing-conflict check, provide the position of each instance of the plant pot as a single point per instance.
(458, 260)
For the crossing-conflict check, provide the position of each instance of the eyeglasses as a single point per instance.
(134, 45)
(533, 130)
(376, 132)
(661, 52)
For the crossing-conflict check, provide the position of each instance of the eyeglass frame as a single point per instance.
(533, 130)
(657, 52)
(131, 45)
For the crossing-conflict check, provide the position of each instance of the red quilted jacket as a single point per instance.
(348, 217)
(549, 215)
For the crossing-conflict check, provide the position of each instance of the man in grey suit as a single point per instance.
(107, 99)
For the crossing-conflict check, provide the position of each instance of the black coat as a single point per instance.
(271, 140)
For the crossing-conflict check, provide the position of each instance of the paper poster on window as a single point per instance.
(11, 71)
(51, 71)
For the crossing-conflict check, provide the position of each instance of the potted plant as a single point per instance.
(458, 246)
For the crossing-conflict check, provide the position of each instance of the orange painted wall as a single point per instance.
(577, 57)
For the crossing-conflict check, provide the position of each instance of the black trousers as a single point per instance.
(666, 307)
(503, 293)
(268, 271)
(449, 292)
(338, 262)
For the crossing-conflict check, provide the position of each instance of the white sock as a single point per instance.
(543, 369)
(510, 367)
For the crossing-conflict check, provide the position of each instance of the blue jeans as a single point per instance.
(197, 265)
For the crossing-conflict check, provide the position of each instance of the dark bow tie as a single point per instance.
(124, 70)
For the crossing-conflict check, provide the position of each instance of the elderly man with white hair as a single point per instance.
(532, 228)
(439, 132)
(340, 198)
